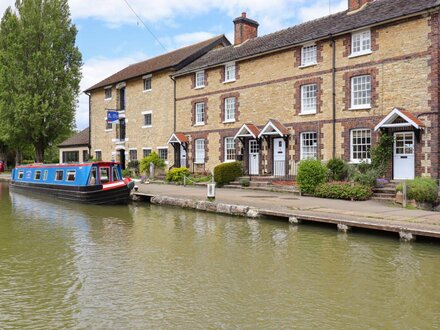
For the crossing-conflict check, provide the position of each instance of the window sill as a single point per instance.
(357, 162)
(360, 54)
(307, 65)
(108, 99)
(147, 126)
(108, 130)
(199, 163)
(199, 87)
(229, 121)
(199, 124)
(307, 114)
(229, 161)
(229, 81)
(147, 90)
(367, 107)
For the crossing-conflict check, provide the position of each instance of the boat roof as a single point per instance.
(41, 165)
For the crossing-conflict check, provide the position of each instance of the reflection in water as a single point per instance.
(68, 265)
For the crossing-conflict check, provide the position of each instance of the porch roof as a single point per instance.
(247, 130)
(274, 127)
(178, 138)
(408, 120)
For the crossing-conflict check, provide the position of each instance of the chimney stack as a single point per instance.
(244, 29)
(356, 4)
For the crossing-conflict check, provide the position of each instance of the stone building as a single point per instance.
(143, 96)
(76, 148)
(322, 89)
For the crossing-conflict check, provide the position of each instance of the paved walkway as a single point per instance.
(367, 212)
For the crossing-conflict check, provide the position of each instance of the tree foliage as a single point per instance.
(39, 74)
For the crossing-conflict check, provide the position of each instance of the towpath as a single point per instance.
(366, 214)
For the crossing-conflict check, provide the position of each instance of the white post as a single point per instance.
(151, 171)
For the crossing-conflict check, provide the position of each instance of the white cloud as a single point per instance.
(321, 8)
(185, 39)
(94, 70)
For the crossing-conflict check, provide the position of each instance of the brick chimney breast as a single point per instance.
(356, 4)
(244, 29)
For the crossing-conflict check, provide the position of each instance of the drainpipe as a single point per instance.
(90, 123)
(333, 45)
(174, 100)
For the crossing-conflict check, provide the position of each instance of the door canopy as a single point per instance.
(179, 138)
(274, 128)
(400, 118)
(247, 131)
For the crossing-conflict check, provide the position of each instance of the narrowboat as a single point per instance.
(93, 183)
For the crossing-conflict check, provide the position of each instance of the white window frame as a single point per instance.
(62, 175)
(100, 151)
(107, 125)
(308, 100)
(306, 59)
(228, 159)
(35, 175)
(105, 92)
(354, 106)
(149, 112)
(200, 106)
(230, 72)
(230, 108)
(305, 136)
(200, 79)
(70, 172)
(20, 175)
(163, 148)
(199, 152)
(352, 145)
(144, 79)
(360, 43)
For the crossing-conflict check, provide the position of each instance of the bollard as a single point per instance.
(211, 191)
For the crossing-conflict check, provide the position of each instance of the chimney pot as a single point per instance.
(356, 4)
(243, 14)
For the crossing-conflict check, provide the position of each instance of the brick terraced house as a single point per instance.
(321, 89)
(143, 95)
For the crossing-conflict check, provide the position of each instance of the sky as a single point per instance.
(111, 37)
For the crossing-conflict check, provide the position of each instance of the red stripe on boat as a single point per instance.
(113, 185)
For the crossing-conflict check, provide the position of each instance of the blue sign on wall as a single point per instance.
(112, 116)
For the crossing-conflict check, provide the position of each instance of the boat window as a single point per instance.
(45, 175)
(20, 174)
(116, 174)
(59, 175)
(37, 175)
(104, 173)
(71, 175)
(92, 179)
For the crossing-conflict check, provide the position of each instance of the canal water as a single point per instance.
(66, 265)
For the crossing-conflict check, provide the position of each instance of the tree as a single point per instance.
(40, 68)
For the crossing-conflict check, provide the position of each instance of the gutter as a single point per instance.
(90, 121)
(374, 24)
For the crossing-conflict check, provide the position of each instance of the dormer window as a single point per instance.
(147, 83)
(230, 72)
(200, 79)
(108, 93)
(308, 55)
(361, 43)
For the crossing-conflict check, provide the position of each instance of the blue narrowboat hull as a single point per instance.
(88, 195)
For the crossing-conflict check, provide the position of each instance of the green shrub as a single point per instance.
(177, 174)
(245, 182)
(337, 169)
(367, 178)
(154, 158)
(342, 190)
(126, 173)
(227, 172)
(311, 173)
(133, 164)
(423, 190)
(382, 154)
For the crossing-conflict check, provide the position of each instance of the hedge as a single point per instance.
(423, 190)
(227, 172)
(343, 190)
(311, 173)
(177, 174)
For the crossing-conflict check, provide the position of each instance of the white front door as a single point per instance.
(254, 157)
(404, 164)
(279, 157)
(182, 156)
